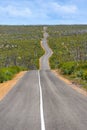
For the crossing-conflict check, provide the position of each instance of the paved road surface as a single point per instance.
(44, 64)
(41, 101)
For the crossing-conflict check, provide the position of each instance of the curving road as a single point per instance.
(44, 62)
(41, 101)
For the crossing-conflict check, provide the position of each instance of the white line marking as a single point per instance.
(41, 105)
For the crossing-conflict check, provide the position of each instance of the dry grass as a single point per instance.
(8, 85)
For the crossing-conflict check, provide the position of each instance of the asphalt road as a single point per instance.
(41, 101)
(44, 60)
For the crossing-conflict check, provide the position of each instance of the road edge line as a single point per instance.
(41, 104)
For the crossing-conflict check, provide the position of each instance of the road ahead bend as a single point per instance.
(41, 101)
(44, 60)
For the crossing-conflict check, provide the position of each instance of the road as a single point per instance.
(41, 101)
(44, 60)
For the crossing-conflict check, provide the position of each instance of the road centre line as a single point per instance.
(41, 104)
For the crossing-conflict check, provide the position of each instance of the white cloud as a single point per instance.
(64, 8)
(40, 11)
(16, 11)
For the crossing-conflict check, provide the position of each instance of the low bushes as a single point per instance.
(9, 72)
(76, 69)
(67, 67)
(79, 73)
(84, 76)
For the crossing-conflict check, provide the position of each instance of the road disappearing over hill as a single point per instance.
(44, 60)
(41, 101)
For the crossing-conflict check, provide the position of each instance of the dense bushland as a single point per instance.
(69, 45)
(20, 46)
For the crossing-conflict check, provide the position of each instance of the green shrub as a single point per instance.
(85, 75)
(79, 73)
(9, 72)
(1, 77)
(68, 68)
(4, 76)
(83, 65)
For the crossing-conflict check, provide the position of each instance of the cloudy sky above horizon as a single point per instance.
(28, 12)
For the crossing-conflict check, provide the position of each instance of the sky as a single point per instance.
(51, 12)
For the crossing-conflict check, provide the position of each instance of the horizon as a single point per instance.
(42, 24)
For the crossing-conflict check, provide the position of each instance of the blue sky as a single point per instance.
(27, 12)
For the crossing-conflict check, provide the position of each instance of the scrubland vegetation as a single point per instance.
(69, 45)
(19, 49)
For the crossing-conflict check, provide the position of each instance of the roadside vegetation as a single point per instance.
(19, 49)
(69, 45)
(8, 72)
